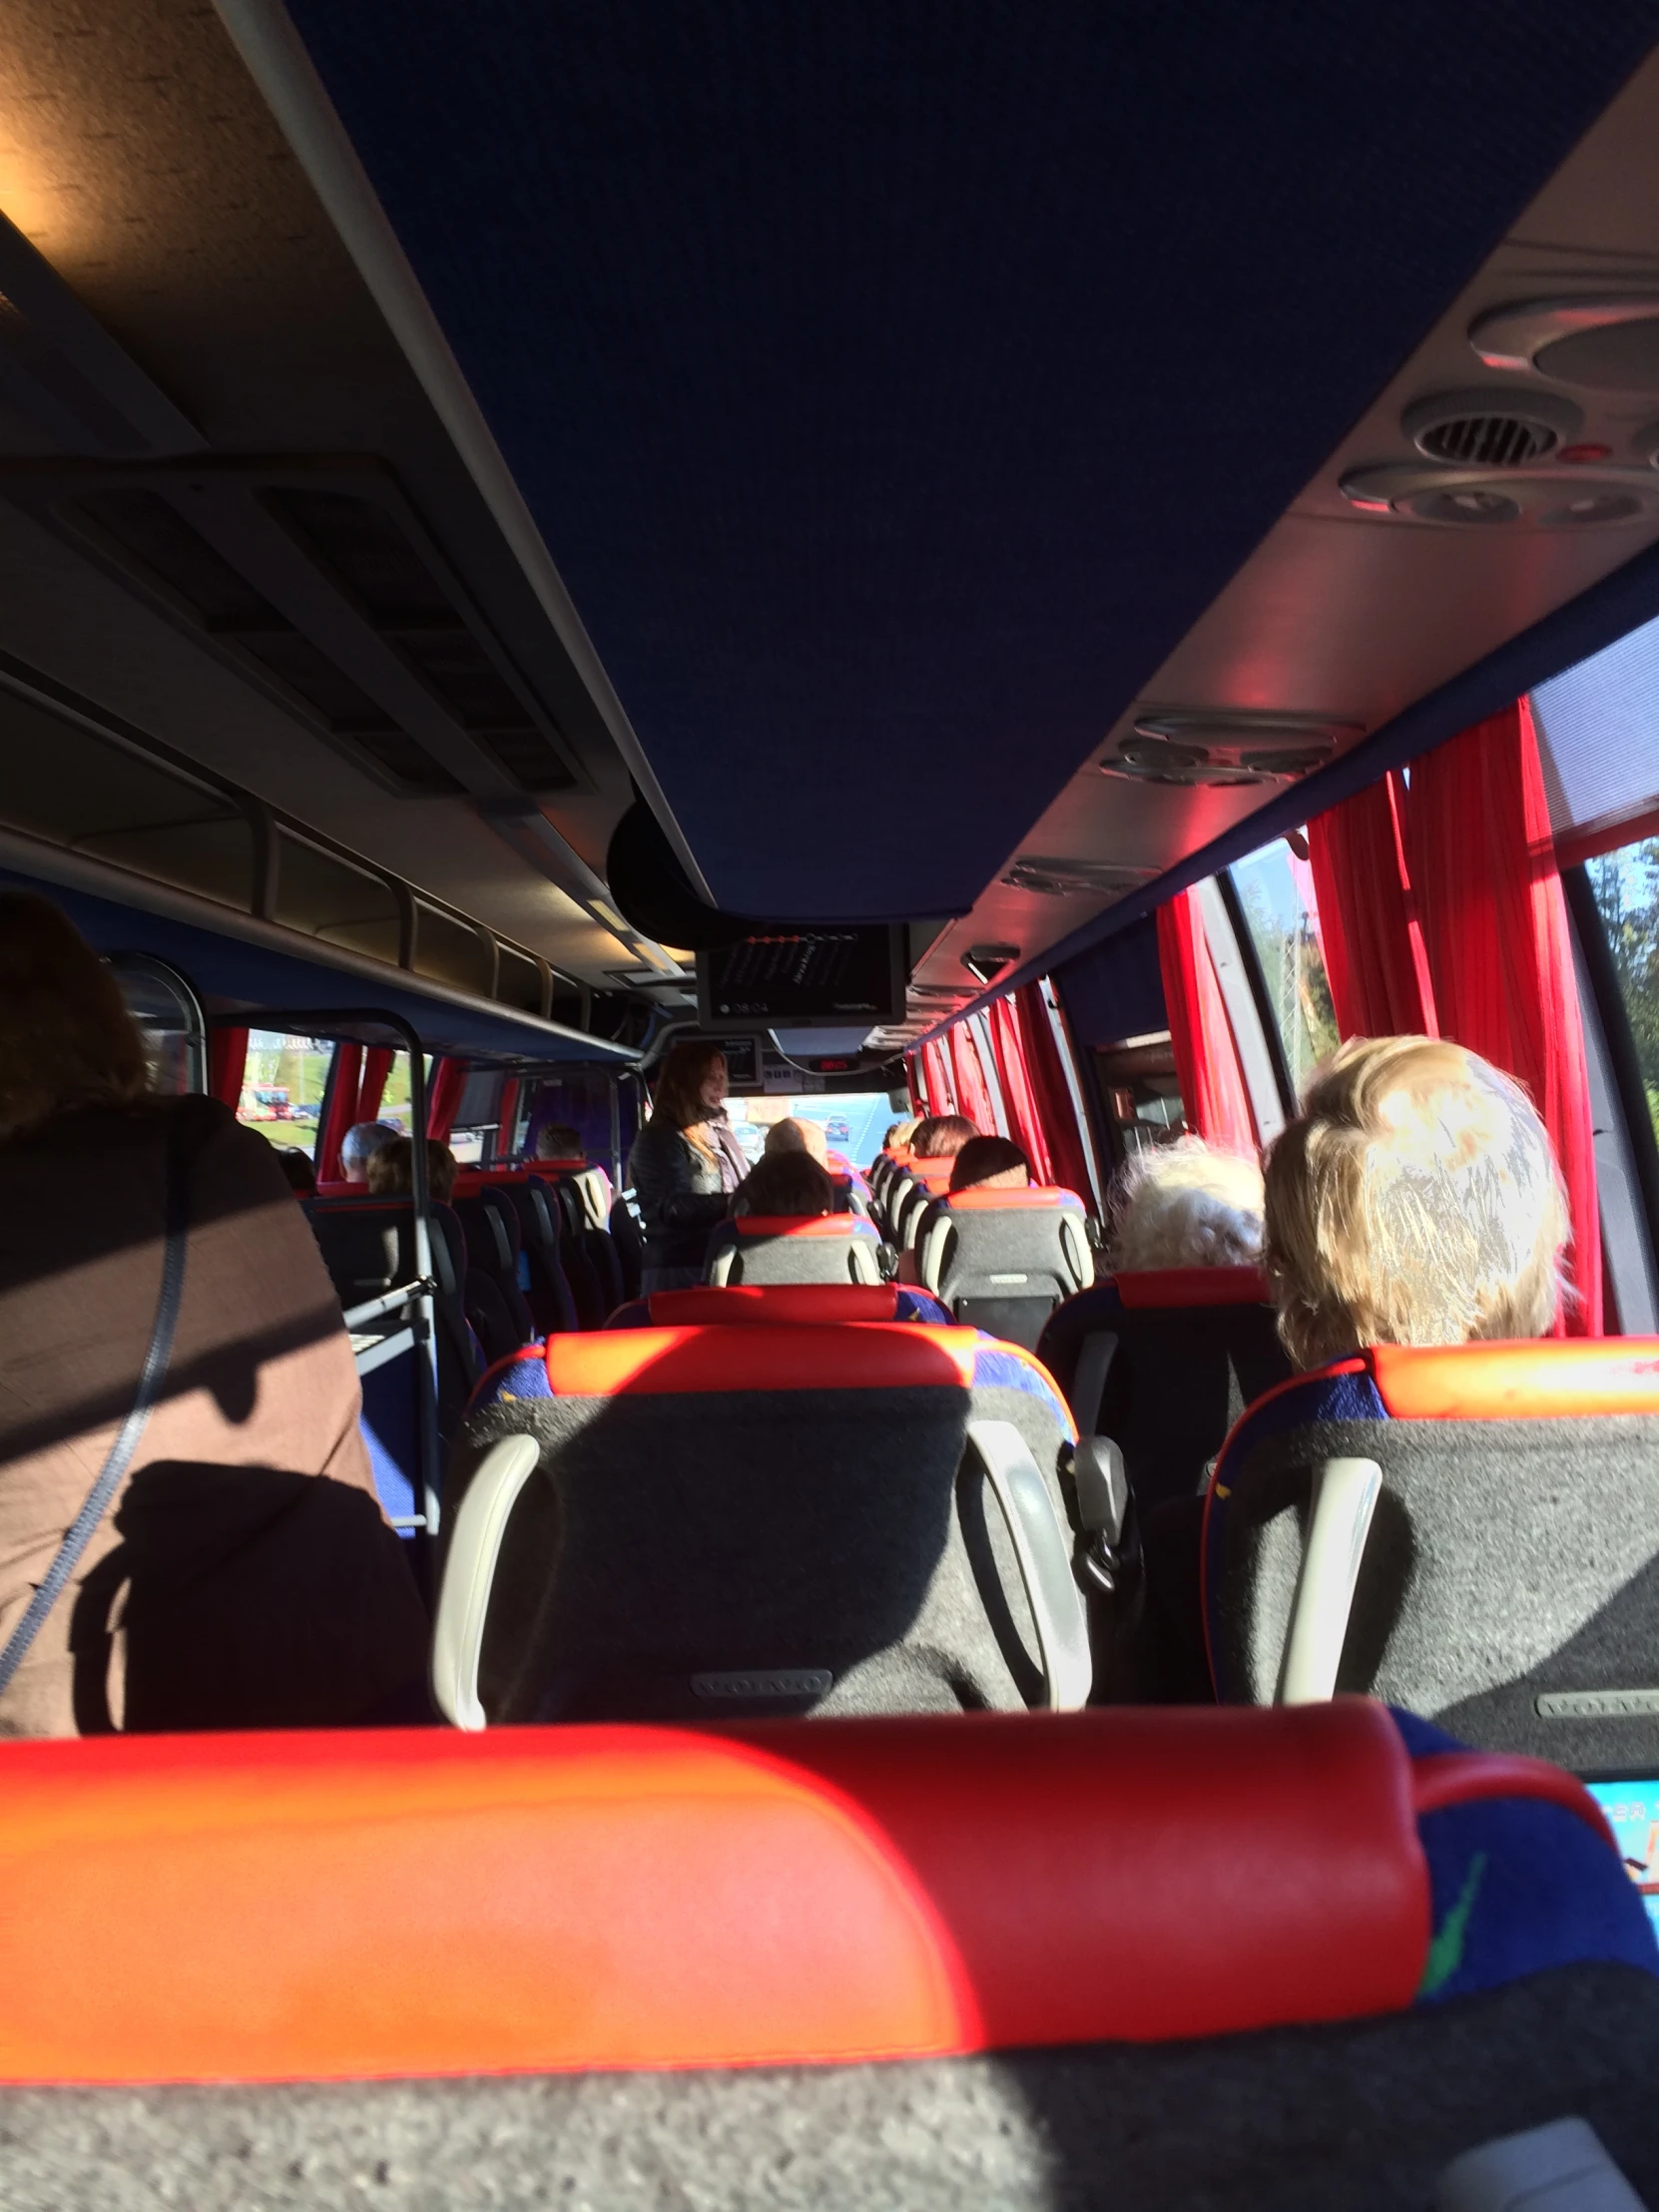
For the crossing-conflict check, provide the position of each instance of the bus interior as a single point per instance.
(1045, 566)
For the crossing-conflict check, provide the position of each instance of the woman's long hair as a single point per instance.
(678, 1101)
(66, 1037)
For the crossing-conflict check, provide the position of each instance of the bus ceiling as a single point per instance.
(410, 426)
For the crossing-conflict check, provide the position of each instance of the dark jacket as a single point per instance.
(244, 1576)
(681, 1193)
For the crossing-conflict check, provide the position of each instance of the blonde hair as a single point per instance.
(66, 1037)
(794, 1135)
(1416, 1201)
(1183, 1206)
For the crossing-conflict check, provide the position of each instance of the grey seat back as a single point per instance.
(1507, 1555)
(776, 1519)
(1003, 1260)
(827, 1248)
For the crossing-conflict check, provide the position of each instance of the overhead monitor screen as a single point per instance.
(1632, 1810)
(840, 976)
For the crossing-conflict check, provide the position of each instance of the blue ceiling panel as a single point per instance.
(894, 381)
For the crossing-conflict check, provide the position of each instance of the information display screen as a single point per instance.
(1632, 1810)
(800, 975)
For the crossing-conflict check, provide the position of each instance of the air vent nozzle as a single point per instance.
(1490, 428)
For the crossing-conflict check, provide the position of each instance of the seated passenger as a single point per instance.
(785, 1183)
(392, 1170)
(557, 1139)
(297, 1169)
(941, 1136)
(684, 1165)
(238, 1572)
(899, 1133)
(1413, 1201)
(990, 1164)
(794, 1135)
(359, 1145)
(1183, 1204)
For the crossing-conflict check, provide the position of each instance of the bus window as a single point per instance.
(1276, 897)
(166, 1009)
(1625, 885)
(1141, 1093)
(283, 1085)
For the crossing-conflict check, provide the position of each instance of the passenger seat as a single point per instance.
(1003, 1260)
(712, 1521)
(1164, 1363)
(1472, 1532)
(784, 1248)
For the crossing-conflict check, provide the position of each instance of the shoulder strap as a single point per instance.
(150, 1378)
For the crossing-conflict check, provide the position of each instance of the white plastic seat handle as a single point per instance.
(469, 1564)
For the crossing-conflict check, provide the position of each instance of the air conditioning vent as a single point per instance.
(1219, 752)
(1495, 427)
(321, 587)
(1059, 879)
(1488, 441)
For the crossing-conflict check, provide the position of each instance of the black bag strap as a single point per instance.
(150, 1378)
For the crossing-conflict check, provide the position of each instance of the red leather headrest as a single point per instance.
(653, 1361)
(795, 1225)
(1535, 1379)
(470, 1180)
(1151, 1287)
(978, 1200)
(935, 1173)
(775, 1302)
(341, 1905)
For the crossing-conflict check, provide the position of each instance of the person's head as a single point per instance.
(941, 1136)
(66, 1037)
(898, 1133)
(791, 1135)
(1413, 1201)
(557, 1139)
(1183, 1206)
(392, 1170)
(692, 1084)
(990, 1164)
(298, 1171)
(361, 1143)
(785, 1183)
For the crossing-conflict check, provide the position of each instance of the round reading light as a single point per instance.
(1610, 343)
(1591, 497)
(1467, 504)
(1595, 507)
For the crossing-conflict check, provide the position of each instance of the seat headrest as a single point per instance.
(800, 1225)
(1144, 1289)
(538, 1899)
(1035, 1198)
(1531, 1380)
(775, 1302)
(810, 1356)
(352, 1198)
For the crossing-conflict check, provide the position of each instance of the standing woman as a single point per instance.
(684, 1165)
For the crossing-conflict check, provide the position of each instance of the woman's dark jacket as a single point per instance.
(681, 1192)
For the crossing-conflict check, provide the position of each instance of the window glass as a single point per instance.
(283, 1085)
(1275, 891)
(1626, 888)
(1141, 1093)
(166, 1010)
(854, 1122)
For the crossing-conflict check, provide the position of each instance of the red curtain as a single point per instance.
(1206, 1058)
(506, 1115)
(1373, 945)
(973, 1098)
(938, 1084)
(1024, 1120)
(1494, 928)
(1051, 1093)
(345, 1076)
(372, 1086)
(912, 1078)
(448, 1082)
(226, 1065)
